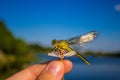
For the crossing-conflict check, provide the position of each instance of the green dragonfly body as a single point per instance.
(66, 48)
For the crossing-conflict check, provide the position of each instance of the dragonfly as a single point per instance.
(71, 47)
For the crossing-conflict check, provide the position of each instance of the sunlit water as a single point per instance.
(102, 68)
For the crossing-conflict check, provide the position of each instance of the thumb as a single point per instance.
(54, 71)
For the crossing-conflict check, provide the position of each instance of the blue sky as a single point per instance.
(43, 20)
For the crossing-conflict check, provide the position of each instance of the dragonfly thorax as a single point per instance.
(61, 44)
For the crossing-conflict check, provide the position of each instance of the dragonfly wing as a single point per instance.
(67, 54)
(71, 53)
(54, 54)
(83, 40)
(76, 47)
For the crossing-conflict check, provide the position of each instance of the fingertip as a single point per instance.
(68, 65)
(56, 67)
(54, 71)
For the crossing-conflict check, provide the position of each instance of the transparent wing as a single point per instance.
(82, 40)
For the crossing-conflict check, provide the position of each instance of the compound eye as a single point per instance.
(54, 42)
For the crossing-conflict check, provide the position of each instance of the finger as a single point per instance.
(29, 73)
(54, 71)
(68, 65)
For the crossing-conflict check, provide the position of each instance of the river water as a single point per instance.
(102, 68)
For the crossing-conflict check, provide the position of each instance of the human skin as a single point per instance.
(52, 70)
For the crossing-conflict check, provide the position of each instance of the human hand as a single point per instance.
(53, 70)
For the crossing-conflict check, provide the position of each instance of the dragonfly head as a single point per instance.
(54, 42)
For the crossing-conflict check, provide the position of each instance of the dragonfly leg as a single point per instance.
(61, 52)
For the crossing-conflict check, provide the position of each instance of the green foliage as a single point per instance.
(15, 54)
(20, 47)
(102, 54)
(6, 38)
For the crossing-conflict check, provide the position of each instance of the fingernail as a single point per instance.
(55, 68)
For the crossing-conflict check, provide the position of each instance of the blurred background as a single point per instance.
(28, 26)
